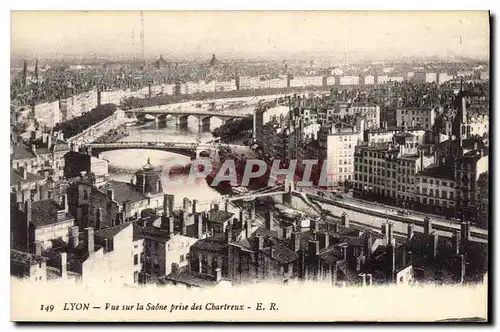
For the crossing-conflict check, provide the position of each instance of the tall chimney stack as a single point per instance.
(198, 222)
(63, 265)
(89, 239)
(455, 242)
(269, 220)
(111, 194)
(73, 237)
(427, 226)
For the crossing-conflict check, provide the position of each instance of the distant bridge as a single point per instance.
(187, 149)
(165, 110)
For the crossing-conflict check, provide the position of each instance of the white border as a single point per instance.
(6, 6)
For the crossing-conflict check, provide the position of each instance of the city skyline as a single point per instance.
(360, 36)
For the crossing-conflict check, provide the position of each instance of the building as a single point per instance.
(38, 223)
(28, 266)
(47, 114)
(339, 145)
(370, 112)
(387, 171)
(44, 157)
(76, 163)
(422, 117)
(107, 235)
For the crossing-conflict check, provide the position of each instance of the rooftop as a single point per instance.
(26, 258)
(21, 152)
(280, 254)
(124, 192)
(219, 216)
(216, 244)
(438, 171)
(16, 177)
(46, 212)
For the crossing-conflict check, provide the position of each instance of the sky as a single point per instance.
(248, 34)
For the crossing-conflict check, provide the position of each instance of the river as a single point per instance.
(124, 163)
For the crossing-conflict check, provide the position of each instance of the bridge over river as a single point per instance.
(193, 150)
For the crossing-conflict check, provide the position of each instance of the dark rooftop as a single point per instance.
(439, 171)
(219, 216)
(45, 212)
(216, 244)
(25, 257)
(280, 253)
(110, 232)
(21, 152)
(124, 192)
(15, 177)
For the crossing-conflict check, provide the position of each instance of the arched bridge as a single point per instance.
(181, 115)
(165, 110)
(193, 150)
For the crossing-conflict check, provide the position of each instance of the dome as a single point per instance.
(147, 180)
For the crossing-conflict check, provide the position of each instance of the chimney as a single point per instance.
(260, 240)
(186, 204)
(461, 269)
(367, 245)
(105, 245)
(455, 242)
(37, 248)
(295, 239)
(433, 245)
(79, 215)
(252, 210)
(269, 220)
(89, 239)
(73, 237)
(111, 194)
(195, 202)
(226, 206)
(183, 222)
(24, 172)
(411, 232)
(465, 231)
(27, 210)
(427, 226)
(49, 141)
(63, 265)
(345, 219)
(228, 233)
(198, 222)
(216, 207)
(390, 257)
(247, 229)
(158, 186)
(98, 219)
(218, 274)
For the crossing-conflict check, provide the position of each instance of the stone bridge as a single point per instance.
(181, 115)
(193, 150)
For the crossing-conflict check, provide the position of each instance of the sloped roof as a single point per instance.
(45, 213)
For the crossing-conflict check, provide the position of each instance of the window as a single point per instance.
(136, 259)
(182, 258)
(285, 268)
(424, 180)
(431, 181)
(431, 192)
